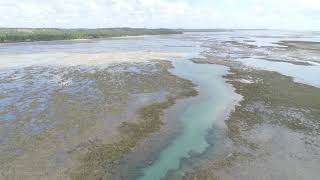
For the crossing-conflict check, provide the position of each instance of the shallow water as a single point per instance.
(215, 98)
(262, 49)
(302, 74)
(16, 55)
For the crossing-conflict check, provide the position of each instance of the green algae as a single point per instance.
(99, 156)
(270, 98)
(97, 163)
(91, 123)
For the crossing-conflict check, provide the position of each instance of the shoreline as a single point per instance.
(24, 35)
(87, 40)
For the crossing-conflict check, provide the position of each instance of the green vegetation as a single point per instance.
(49, 34)
(218, 30)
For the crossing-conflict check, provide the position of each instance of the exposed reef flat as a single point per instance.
(308, 45)
(69, 128)
(106, 109)
(274, 132)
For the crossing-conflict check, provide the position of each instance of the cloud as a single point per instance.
(280, 14)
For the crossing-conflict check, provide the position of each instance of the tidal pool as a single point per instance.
(215, 99)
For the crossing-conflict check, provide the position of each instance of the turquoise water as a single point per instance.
(215, 98)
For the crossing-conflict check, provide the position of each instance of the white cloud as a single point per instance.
(283, 14)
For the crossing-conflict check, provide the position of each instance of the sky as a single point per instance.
(271, 14)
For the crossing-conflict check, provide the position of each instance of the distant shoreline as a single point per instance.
(13, 35)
